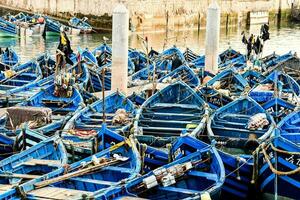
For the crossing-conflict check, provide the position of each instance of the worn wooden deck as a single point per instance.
(56, 193)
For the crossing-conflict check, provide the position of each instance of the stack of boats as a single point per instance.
(26, 25)
(230, 135)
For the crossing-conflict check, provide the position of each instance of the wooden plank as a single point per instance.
(76, 173)
(176, 105)
(99, 182)
(5, 187)
(33, 162)
(25, 176)
(59, 193)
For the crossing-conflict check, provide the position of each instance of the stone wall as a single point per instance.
(142, 12)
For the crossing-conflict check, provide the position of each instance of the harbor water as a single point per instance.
(284, 38)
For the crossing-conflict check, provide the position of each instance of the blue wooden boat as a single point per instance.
(270, 63)
(144, 76)
(21, 75)
(213, 98)
(103, 54)
(173, 111)
(8, 29)
(278, 168)
(204, 75)
(9, 59)
(160, 65)
(57, 110)
(190, 56)
(184, 74)
(98, 60)
(238, 172)
(95, 82)
(238, 168)
(231, 57)
(31, 24)
(164, 60)
(18, 17)
(278, 108)
(80, 147)
(139, 59)
(62, 107)
(81, 24)
(227, 58)
(198, 62)
(91, 117)
(179, 179)
(137, 98)
(241, 125)
(80, 132)
(290, 67)
(277, 84)
(27, 138)
(289, 127)
(86, 178)
(267, 60)
(229, 81)
(96, 71)
(32, 163)
(278, 94)
(59, 105)
(107, 77)
(253, 77)
(47, 63)
(15, 95)
(52, 27)
(6, 146)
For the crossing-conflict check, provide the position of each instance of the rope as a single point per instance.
(282, 151)
(275, 171)
(143, 148)
(291, 86)
(240, 166)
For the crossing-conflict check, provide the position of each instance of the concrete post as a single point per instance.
(120, 49)
(212, 37)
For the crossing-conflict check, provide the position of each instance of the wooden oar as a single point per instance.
(77, 173)
(16, 74)
(24, 176)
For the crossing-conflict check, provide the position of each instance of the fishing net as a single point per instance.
(121, 117)
(83, 133)
(257, 121)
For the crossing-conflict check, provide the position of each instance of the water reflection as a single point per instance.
(283, 40)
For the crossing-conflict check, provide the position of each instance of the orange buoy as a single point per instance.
(41, 20)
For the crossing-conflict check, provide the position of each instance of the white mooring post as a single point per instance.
(212, 37)
(120, 49)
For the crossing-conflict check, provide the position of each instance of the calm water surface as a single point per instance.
(283, 39)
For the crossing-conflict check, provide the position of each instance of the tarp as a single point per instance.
(19, 115)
